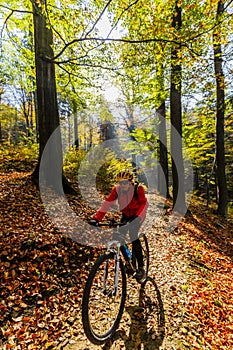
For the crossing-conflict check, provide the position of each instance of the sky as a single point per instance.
(111, 93)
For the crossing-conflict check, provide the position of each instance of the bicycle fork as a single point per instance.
(117, 266)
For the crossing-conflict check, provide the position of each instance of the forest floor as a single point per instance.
(43, 272)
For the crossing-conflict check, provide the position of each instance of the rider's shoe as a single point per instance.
(140, 275)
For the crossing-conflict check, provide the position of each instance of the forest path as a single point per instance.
(43, 273)
(162, 323)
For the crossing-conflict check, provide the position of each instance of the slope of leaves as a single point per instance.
(210, 295)
(43, 274)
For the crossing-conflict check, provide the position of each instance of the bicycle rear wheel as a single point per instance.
(101, 310)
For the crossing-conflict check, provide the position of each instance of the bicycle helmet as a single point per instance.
(124, 175)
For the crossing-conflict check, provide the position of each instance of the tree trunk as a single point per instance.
(179, 204)
(163, 158)
(220, 146)
(47, 106)
(1, 140)
(75, 113)
(162, 129)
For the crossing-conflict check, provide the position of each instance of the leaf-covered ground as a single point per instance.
(188, 299)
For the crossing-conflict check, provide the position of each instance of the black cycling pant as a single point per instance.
(133, 230)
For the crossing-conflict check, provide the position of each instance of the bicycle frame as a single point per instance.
(111, 248)
(114, 247)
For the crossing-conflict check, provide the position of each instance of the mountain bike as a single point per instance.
(105, 290)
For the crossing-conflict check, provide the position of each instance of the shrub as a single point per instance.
(72, 162)
(18, 158)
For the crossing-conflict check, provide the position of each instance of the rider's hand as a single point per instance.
(93, 222)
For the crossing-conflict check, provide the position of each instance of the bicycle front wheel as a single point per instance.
(102, 307)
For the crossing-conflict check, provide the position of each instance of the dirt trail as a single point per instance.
(188, 295)
(162, 323)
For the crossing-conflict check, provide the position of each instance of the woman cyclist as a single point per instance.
(133, 205)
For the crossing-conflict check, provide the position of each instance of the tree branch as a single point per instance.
(15, 10)
(90, 83)
(101, 14)
(126, 9)
(129, 41)
(89, 65)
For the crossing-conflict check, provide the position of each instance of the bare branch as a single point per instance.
(12, 11)
(101, 14)
(227, 5)
(16, 10)
(4, 25)
(87, 65)
(90, 83)
(129, 41)
(53, 28)
(126, 9)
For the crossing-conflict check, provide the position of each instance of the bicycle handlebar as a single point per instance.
(111, 224)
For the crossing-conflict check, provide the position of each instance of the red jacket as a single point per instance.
(130, 204)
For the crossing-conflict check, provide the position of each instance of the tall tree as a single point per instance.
(176, 118)
(220, 108)
(47, 105)
(162, 129)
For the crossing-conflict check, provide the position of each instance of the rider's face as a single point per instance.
(124, 184)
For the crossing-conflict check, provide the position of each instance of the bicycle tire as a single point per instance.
(93, 284)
